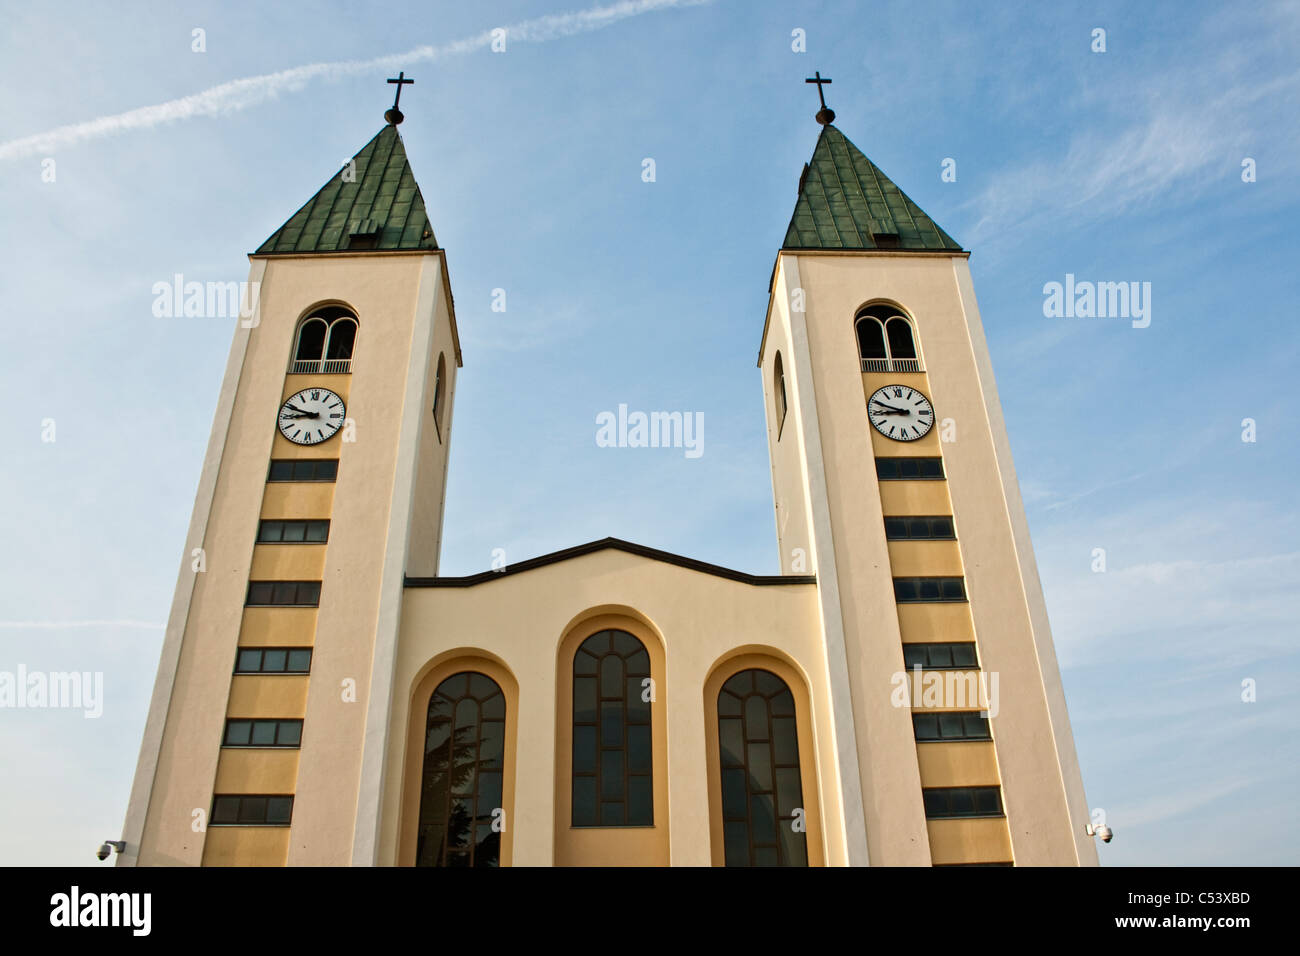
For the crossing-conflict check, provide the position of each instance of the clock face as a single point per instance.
(311, 416)
(900, 412)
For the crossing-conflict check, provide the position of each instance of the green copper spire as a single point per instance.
(846, 202)
(371, 203)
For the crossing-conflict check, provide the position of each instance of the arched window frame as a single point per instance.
(335, 319)
(618, 757)
(583, 846)
(439, 392)
(721, 673)
(779, 394)
(415, 720)
(338, 329)
(298, 345)
(881, 315)
(473, 694)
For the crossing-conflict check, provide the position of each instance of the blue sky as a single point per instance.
(1115, 166)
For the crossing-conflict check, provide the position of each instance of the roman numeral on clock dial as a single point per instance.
(311, 416)
(900, 412)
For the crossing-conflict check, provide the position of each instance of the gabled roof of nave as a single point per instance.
(614, 544)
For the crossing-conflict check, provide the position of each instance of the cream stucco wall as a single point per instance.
(377, 642)
(392, 295)
(1042, 788)
(520, 621)
(804, 534)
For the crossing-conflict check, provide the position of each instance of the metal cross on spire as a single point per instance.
(825, 115)
(394, 115)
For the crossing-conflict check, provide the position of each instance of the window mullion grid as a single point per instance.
(473, 793)
(601, 748)
(771, 769)
(749, 792)
(623, 735)
(444, 846)
(574, 775)
(627, 743)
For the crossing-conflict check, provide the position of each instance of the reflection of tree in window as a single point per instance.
(761, 783)
(464, 754)
(612, 757)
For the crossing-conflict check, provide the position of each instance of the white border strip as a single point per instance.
(374, 758)
(828, 586)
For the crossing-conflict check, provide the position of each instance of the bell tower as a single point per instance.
(893, 482)
(322, 486)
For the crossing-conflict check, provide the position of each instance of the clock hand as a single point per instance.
(897, 411)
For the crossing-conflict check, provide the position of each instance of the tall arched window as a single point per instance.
(886, 341)
(762, 788)
(325, 343)
(778, 388)
(439, 388)
(612, 756)
(464, 750)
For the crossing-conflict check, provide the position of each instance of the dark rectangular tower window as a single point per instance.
(945, 802)
(303, 469)
(283, 594)
(262, 733)
(909, 528)
(249, 810)
(276, 531)
(927, 590)
(953, 655)
(273, 660)
(950, 725)
(909, 469)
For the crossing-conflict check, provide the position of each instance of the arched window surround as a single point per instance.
(886, 339)
(425, 684)
(779, 393)
(757, 658)
(325, 341)
(622, 845)
(439, 393)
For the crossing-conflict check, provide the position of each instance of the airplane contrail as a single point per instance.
(241, 94)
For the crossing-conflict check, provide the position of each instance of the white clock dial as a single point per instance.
(311, 416)
(900, 412)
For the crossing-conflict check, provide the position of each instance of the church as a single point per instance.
(325, 697)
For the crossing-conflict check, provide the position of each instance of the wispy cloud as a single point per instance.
(1196, 612)
(250, 91)
(1065, 502)
(1169, 805)
(1176, 138)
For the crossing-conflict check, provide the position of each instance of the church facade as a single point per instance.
(326, 697)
